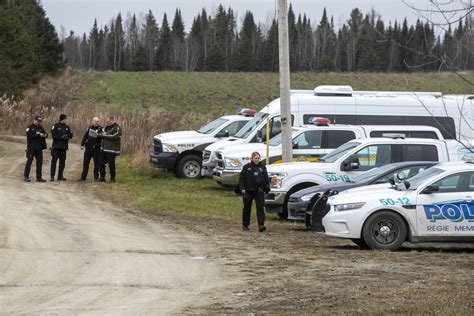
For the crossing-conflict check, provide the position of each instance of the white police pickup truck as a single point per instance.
(181, 151)
(349, 160)
(435, 205)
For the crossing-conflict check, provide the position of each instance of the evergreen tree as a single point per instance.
(164, 44)
(292, 37)
(140, 61)
(269, 61)
(150, 42)
(177, 42)
(133, 38)
(246, 60)
(19, 65)
(46, 42)
(93, 45)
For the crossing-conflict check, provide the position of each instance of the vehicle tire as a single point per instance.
(189, 167)
(360, 242)
(384, 230)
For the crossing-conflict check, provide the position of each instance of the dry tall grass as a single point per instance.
(138, 127)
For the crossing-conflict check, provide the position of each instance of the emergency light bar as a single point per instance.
(246, 112)
(468, 158)
(394, 135)
(319, 121)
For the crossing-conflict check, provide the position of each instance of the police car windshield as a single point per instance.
(212, 126)
(424, 176)
(275, 141)
(251, 125)
(339, 151)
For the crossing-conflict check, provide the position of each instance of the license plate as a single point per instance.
(154, 160)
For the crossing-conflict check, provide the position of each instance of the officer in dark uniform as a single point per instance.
(91, 142)
(253, 184)
(61, 136)
(36, 143)
(110, 148)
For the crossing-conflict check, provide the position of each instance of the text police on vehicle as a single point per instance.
(435, 205)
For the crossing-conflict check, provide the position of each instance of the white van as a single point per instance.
(451, 114)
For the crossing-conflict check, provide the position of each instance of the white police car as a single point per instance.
(436, 205)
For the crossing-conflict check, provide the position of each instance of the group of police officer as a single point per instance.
(100, 144)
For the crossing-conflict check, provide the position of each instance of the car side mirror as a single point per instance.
(295, 145)
(430, 189)
(391, 180)
(259, 136)
(351, 163)
(224, 133)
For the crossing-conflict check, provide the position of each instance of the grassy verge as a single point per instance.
(158, 191)
(219, 93)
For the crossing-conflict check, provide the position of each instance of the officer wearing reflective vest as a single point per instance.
(110, 148)
(254, 184)
(35, 144)
(61, 135)
(91, 142)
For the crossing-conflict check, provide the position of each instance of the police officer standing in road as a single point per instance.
(91, 143)
(254, 184)
(110, 148)
(61, 136)
(36, 143)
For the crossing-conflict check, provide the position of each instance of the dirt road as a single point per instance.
(62, 251)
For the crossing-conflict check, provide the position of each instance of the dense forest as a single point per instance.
(364, 43)
(29, 45)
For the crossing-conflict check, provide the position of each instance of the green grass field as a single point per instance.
(223, 92)
(155, 190)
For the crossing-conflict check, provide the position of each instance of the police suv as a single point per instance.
(181, 152)
(309, 143)
(350, 160)
(435, 205)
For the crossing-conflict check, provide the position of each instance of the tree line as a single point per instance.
(29, 45)
(363, 43)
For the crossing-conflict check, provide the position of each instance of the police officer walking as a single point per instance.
(91, 143)
(253, 184)
(61, 136)
(36, 143)
(110, 148)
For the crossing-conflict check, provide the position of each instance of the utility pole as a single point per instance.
(285, 100)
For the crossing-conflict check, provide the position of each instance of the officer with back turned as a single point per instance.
(61, 136)
(36, 143)
(91, 142)
(110, 148)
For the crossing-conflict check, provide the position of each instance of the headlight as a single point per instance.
(233, 162)
(348, 207)
(307, 197)
(277, 179)
(168, 148)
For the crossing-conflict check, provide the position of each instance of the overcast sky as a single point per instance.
(78, 15)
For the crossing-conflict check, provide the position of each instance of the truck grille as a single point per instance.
(220, 160)
(157, 146)
(206, 155)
